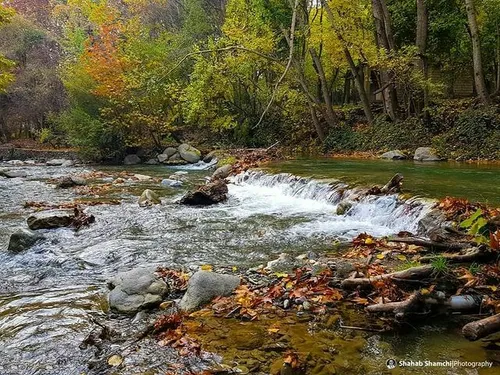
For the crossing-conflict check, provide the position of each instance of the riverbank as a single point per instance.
(264, 215)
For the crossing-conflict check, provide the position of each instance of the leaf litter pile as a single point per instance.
(393, 280)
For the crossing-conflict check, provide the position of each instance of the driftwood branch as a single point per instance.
(481, 328)
(473, 255)
(432, 245)
(396, 307)
(408, 274)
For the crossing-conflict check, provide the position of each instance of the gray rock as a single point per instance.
(56, 162)
(70, 181)
(153, 161)
(132, 159)
(205, 195)
(426, 154)
(222, 172)
(13, 174)
(205, 286)
(210, 156)
(432, 222)
(68, 163)
(393, 155)
(23, 239)
(149, 198)
(162, 158)
(169, 151)
(189, 153)
(343, 207)
(15, 162)
(342, 268)
(175, 159)
(285, 263)
(136, 290)
(50, 219)
(171, 182)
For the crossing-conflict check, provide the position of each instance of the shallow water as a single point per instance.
(50, 293)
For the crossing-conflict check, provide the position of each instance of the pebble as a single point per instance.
(286, 304)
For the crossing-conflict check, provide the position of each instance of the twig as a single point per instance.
(362, 328)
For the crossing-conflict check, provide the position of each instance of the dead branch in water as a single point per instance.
(408, 274)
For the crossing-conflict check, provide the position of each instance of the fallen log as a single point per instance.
(480, 328)
(474, 255)
(397, 307)
(419, 272)
(432, 245)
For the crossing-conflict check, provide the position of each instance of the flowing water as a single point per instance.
(50, 294)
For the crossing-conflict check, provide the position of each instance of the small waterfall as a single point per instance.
(385, 214)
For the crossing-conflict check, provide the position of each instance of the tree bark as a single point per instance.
(481, 328)
(408, 274)
(385, 40)
(365, 101)
(324, 86)
(421, 42)
(482, 92)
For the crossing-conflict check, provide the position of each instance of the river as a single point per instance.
(50, 294)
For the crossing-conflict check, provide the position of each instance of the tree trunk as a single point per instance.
(385, 40)
(324, 86)
(482, 92)
(481, 328)
(421, 42)
(365, 101)
(317, 125)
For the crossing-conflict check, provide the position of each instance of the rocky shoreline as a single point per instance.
(390, 280)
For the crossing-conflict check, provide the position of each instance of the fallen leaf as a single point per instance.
(207, 267)
(115, 360)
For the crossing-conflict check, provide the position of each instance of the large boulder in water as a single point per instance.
(393, 155)
(204, 286)
(222, 172)
(136, 290)
(175, 159)
(426, 154)
(169, 151)
(189, 153)
(149, 198)
(50, 220)
(132, 159)
(211, 193)
(56, 162)
(23, 239)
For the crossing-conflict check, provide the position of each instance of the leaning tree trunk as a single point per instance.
(421, 42)
(324, 85)
(476, 53)
(365, 101)
(385, 40)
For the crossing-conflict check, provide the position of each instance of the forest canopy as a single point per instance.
(107, 75)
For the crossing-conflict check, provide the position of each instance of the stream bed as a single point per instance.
(51, 293)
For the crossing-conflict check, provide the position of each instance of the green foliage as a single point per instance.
(440, 266)
(474, 269)
(475, 134)
(404, 135)
(477, 226)
(343, 139)
(46, 135)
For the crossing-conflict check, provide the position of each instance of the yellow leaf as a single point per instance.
(493, 288)
(207, 267)
(235, 268)
(369, 241)
(289, 285)
(401, 257)
(280, 274)
(424, 291)
(380, 256)
(115, 360)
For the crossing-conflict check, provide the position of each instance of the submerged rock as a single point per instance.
(393, 155)
(211, 193)
(23, 239)
(171, 182)
(50, 220)
(210, 156)
(426, 154)
(131, 159)
(142, 177)
(189, 153)
(136, 290)
(70, 181)
(68, 163)
(175, 159)
(56, 162)
(222, 172)
(343, 208)
(13, 174)
(149, 198)
(204, 286)
(152, 162)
